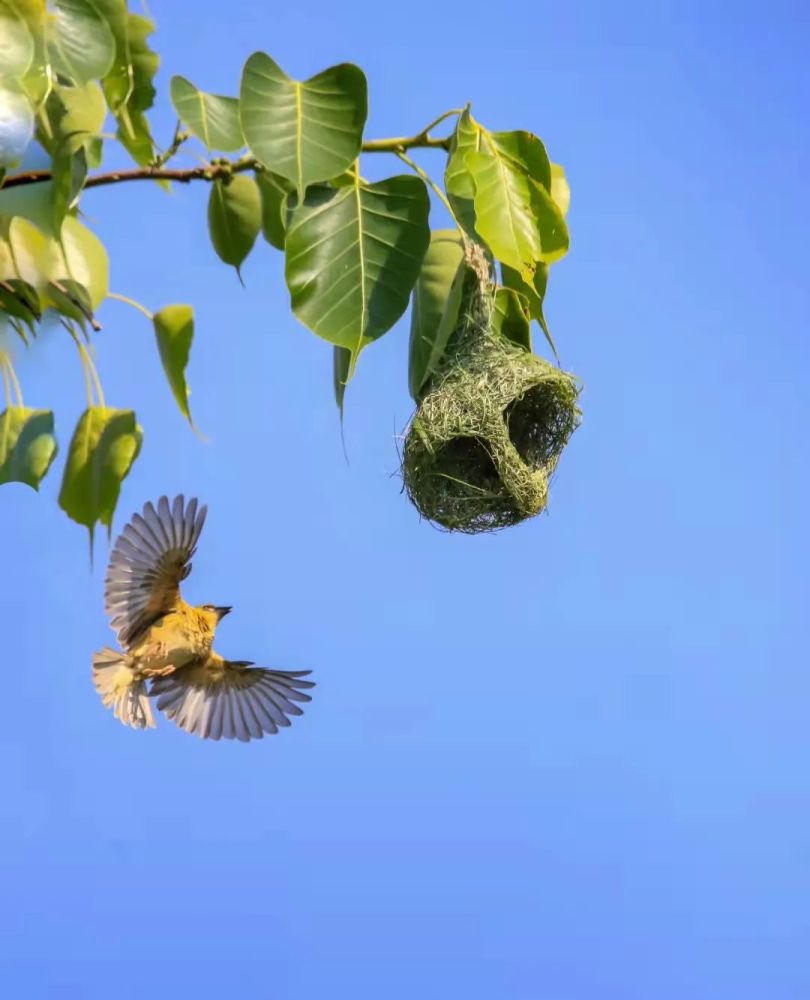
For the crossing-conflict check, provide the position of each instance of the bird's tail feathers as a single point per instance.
(121, 689)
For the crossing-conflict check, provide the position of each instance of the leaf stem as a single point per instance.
(6, 383)
(131, 302)
(13, 376)
(91, 379)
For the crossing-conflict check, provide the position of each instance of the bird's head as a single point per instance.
(213, 614)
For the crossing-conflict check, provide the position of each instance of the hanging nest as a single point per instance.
(490, 428)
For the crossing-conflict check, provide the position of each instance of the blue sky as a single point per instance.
(569, 761)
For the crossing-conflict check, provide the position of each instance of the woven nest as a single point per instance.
(489, 431)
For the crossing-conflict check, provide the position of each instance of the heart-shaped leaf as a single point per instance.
(27, 445)
(174, 329)
(234, 218)
(514, 213)
(104, 446)
(436, 303)
(82, 46)
(83, 116)
(213, 119)
(353, 255)
(305, 131)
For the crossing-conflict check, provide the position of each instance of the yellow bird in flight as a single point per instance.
(168, 643)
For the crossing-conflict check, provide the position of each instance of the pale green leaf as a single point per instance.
(16, 44)
(274, 191)
(213, 119)
(16, 124)
(234, 218)
(105, 444)
(436, 303)
(560, 191)
(84, 260)
(82, 45)
(84, 114)
(305, 131)
(514, 214)
(27, 445)
(353, 255)
(174, 330)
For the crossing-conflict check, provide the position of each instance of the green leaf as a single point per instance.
(305, 131)
(69, 172)
(20, 299)
(174, 329)
(82, 46)
(467, 137)
(84, 115)
(84, 260)
(16, 125)
(353, 255)
(129, 87)
(16, 44)
(27, 445)
(436, 303)
(274, 191)
(213, 119)
(234, 219)
(341, 374)
(514, 214)
(560, 191)
(534, 295)
(105, 444)
(510, 318)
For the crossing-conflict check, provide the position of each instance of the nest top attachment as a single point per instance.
(489, 431)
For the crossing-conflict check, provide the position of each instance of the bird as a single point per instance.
(167, 653)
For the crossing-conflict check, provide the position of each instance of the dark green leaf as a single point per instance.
(274, 192)
(341, 374)
(436, 304)
(69, 172)
(27, 445)
(305, 131)
(213, 119)
(82, 47)
(20, 299)
(510, 318)
(353, 256)
(534, 294)
(174, 329)
(105, 444)
(234, 218)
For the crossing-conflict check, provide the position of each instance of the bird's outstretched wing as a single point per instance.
(230, 700)
(150, 558)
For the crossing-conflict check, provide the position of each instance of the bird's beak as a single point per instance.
(221, 612)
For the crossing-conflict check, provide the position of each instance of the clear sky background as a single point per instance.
(570, 761)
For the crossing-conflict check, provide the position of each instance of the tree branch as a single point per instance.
(214, 171)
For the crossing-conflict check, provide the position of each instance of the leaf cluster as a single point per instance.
(78, 75)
